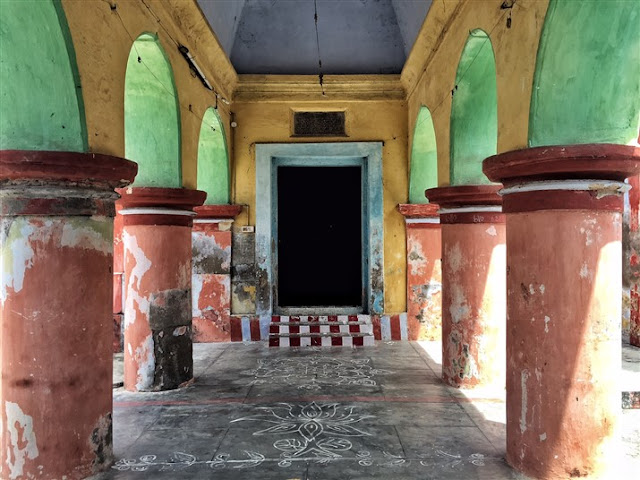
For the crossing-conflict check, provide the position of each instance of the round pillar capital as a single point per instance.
(159, 206)
(218, 212)
(61, 183)
(468, 203)
(589, 176)
(420, 215)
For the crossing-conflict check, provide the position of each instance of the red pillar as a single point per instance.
(55, 311)
(158, 350)
(564, 214)
(633, 267)
(424, 271)
(211, 272)
(473, 284)
(118, 281)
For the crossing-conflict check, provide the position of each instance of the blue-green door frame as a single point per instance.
(367, 155)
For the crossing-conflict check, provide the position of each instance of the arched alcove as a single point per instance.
(151, 116)
(474, 111)
(213, 159)
(587, 82)
(40, 91)
(424, 158)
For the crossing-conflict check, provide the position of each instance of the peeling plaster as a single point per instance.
(196, 289)
(146, 362)
(546, 324)
(179, 331)
(454, 258)
(524, 376)
(17, 256)
(543, 437)
(209, 255)
(416, 259)
(584, 271)
(143, 264)
(492, 231)
(21, 434)
(94, 234)
(458, 308)
(101, 442)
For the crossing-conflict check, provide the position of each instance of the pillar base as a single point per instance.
(424, 271)
(564, 206)
(55, 314)
(473, 290)
(211, 274)
(158, 349)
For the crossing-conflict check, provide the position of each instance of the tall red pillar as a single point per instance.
(55, 311)
(473, 284)
(633, 258)
(158, 349)
(211, 277)
(118, 282)
(564, 215)
(424, 271)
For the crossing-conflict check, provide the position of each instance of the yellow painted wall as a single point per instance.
(429, 75)
(269, 122)
(102, 39)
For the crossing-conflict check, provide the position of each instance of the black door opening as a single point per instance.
(319, 224)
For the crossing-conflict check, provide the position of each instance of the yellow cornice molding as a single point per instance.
(306, 88)
(440, 17)
(202, 42)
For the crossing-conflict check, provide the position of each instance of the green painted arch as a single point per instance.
(213, 159)
(424, 158)
(586, 86)
(40, 94)
(474, 111)
(152, 116)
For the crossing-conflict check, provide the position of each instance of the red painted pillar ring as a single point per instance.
(158, 349)
(473, 284)
(563, 206)
(424, 271)
(211, 272)
(55, 314)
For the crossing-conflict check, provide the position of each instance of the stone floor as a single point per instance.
(322, 413)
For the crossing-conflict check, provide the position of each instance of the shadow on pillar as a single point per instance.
(158, 351)
(564, 209)
(424, 271)
(55, 315)
(631, 265)
(473, 284)
(211, 272)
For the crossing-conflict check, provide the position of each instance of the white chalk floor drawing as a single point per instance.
(313, 433)
(320, 433)
(316, 372)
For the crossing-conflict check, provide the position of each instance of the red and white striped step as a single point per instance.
(321, 331)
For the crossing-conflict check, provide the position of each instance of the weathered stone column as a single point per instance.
(424, 271)
(55, 311)
(563, 207)
(473, 284)
(158, 350)
(118, 282)
(211, 272)
(631, 270)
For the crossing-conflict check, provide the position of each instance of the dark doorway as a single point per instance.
(319, 223)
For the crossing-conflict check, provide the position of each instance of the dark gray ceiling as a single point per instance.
(279, 36)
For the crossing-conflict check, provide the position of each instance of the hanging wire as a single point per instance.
(315, 19)
(170, 91)
(459, 80)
